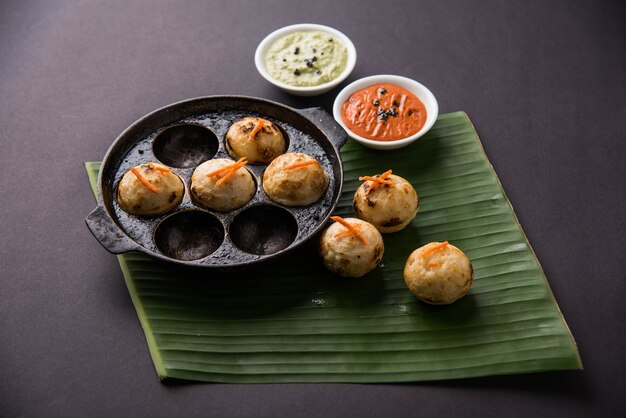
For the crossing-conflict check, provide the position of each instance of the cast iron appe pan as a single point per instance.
(312, 131)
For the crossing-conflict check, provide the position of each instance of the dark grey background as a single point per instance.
(543, 82)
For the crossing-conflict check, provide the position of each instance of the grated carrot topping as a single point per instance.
(159, 168)
(144, 180)
(347, 231)
(435, 248)
(219, 171)
(234, 168)
(230, 171)
(223, 169)
(376, 180)
(259, 125)
(350, 228)
(299, 164)
(433, 264)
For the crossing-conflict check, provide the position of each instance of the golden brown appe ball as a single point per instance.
(150, 189)
(238, 190)
(295, 179)
(256, 139)
(345, 254)
(389, 207)
(438, 273)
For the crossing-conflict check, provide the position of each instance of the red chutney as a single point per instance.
(384, 112)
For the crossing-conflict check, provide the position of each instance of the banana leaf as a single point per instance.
(293, 321)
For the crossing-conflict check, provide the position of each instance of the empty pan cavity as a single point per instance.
(263, 229)
(185, 145)
(189, 235)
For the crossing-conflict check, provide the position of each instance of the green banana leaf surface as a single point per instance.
(293, 321)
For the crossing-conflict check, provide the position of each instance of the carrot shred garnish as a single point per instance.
(233, 169)
(350, 228)
(219, 171)
(347, 231)
(299, 164)
(144, 180)
(257, 128)
(159, 167)
(223, 169)
(376, 180)
(434, 248)
(433, 264)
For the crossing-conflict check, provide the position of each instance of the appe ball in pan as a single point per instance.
(150, 189)
(256, 139)
(438, 273)
(389, 207)
(346, 254)
(295, 179)
(231, 193)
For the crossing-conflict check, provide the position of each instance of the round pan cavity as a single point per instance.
(185, 145)
(263, 230)
(177, 135)
(189, 235)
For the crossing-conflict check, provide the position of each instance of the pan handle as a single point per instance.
(108, 234)
(325, 122)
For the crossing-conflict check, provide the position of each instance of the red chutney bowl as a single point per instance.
(419, 90)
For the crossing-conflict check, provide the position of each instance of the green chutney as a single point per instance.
(306, 58)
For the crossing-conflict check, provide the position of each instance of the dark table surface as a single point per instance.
(543, 82)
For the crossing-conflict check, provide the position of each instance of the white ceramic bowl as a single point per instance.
(422, 93)
(261, 51)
